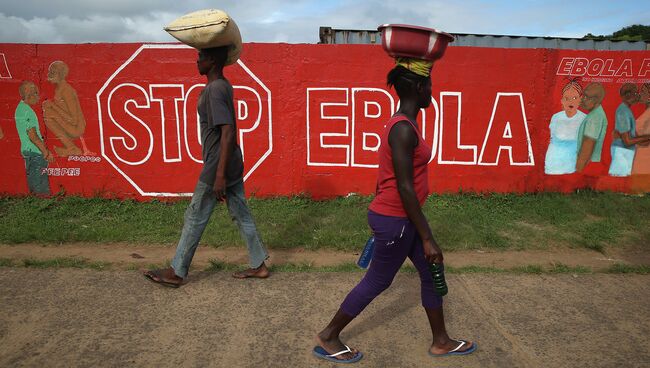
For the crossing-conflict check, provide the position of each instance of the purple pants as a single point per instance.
(395, 239)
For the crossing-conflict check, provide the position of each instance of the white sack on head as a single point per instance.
(208, 28)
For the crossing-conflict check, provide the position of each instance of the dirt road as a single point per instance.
(89, 318)
(125, 256)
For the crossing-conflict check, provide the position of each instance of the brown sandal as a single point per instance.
(157, 277)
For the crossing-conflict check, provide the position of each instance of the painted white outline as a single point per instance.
(459, 121)
(4, 60)
(368, 114)
(323, 135)
(354, 122)
(423, 126)
(163, 120)
(368, 148)
(101, 126)
(257, 121)
(631, 71)
(645, 68)
(507, 131)
(242, 105)
(197, 126)
(531, 158)
(599, 72)
(126, 109)
(268, 91)
(573, 60)
(436, 128)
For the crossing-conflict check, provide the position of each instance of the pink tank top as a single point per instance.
(387, 201)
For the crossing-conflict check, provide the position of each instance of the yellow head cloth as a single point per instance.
(417, 66)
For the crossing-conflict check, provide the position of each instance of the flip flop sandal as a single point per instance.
(248, 275)
(456, 351)
(154, 276)
(323, 354)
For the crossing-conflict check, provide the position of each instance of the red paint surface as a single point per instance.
(347, 98)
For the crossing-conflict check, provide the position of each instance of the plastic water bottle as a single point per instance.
(438, 273)
(366, 255)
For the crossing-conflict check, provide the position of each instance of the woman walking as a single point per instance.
(397, 221)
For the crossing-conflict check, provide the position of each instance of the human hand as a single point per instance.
(49, 156)
(220, 188)
(432, 252)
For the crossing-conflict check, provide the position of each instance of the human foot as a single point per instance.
(166, 277)
(260, 272)
(453, 347)
(334, 349)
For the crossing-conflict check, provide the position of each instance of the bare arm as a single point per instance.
(403, 140)
(629, 141)
(584, 155)
(227, 143)
(31, 133)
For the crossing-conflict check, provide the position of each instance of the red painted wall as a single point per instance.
(308, 117)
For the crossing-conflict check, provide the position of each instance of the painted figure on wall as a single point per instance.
(591, 133)
(641, 165)
(32, 147)
(625, 134)
(63, 115)
(562, 150)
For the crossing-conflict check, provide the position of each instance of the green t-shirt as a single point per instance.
(594, 126)
(25, 120)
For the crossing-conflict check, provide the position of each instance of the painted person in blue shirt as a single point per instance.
(625, 137)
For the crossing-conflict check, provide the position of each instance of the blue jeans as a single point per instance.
(37, 180)
(197, 216)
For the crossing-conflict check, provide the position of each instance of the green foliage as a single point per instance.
(585, 219)
(635, 32)
(624, 268)
(64, 262)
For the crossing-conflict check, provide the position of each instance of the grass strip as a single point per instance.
(64, 262)
(585, 219)
(219, 266)
(624, 268)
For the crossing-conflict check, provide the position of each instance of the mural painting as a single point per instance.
(310, 117)
(32, 147)
(562, 152)
(626, 138)
(641, 165)
(63, 115)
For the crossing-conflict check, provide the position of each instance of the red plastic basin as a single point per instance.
(403, 40)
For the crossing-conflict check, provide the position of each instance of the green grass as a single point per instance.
(65, 262)
(290, 267)
(623, 268)
(219, 266)
(527, 269)
(586, 219)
